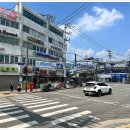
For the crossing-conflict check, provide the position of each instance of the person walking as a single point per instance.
(19, 88)
(11, 87)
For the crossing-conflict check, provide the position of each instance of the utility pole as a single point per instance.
(75, 61)
(27, 68)
(110, 56)
(65, 42)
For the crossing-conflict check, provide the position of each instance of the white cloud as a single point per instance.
(102, 54)
(128, 53)
(102, 18)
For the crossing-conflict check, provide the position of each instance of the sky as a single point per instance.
(104, 23)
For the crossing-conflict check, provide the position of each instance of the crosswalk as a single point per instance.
(54, 112)
(11, 114)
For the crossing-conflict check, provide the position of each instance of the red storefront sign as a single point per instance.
(12, 15)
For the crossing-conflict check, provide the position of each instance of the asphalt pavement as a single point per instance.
(66, 108)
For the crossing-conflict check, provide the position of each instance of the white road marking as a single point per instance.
(43, 104)
(114, 103)
(94, 117)
(5, 109)
(13, 118)
(25, 96)
(4, 101)
(67, 118)
(69, 95)
(37, 102)
(27, 99)
(24, 125)
(7, 105)
(10, 113)
(59, 111)
(49, 108)
(32, 100)
(73, 124)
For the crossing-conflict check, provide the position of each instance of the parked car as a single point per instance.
(97, 88)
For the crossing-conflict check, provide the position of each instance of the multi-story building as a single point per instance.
(27, 37)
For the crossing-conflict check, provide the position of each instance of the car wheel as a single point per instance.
(99, 93)
(110, 91)
(86, 94)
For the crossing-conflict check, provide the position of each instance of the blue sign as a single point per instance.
(119, 75)
(45, 55)
(59, 66)
(42, 64)
(21, 63)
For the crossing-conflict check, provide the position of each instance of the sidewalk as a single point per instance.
(7, 93)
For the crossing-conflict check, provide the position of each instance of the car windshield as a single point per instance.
(90, 84)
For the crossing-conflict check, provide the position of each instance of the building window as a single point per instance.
(37, 48)
(25, 29)
(50, 40)
(56, 31)
(16, 59)
(23, 59)
(9, 40)
(34, 18)
(30, 61)
(33, 62)
(12, 59)
(34, 47)
(6, 58)
(34, 32)
(16, 25)
(41, 49)
(7, 22)
(1, 58)
(3, 21)
(16, 42)
(12, 24)
(44, 50)
(30, 46)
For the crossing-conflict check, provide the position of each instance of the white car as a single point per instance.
(97, 88)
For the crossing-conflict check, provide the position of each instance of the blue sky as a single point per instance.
(107, 23)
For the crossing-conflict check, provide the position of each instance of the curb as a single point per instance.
(117, 123)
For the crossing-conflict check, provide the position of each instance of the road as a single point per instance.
(67, 108)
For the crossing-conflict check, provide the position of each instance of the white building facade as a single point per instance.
(26, 33)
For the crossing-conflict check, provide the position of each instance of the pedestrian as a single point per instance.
(11, 87)
(19, 88)
(31, 86)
